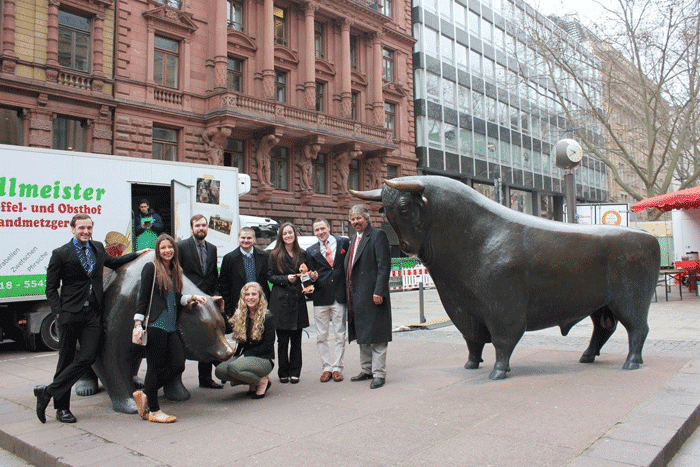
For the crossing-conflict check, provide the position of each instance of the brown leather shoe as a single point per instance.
(326, 376)
(337, 376)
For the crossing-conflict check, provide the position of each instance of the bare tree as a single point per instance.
(628, 88)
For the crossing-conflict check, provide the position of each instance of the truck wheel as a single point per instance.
(49, 332)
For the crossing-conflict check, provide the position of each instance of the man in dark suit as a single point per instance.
(368, 266)
(247, 263)
(326, 261)
(76, 269)
(198, 259)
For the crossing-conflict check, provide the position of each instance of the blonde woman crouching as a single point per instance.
(254, 329)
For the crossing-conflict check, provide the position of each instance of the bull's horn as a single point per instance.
(411, 187)
(372, 195)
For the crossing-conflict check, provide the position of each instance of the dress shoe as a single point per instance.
(337, 376)
(211, 384)
(65, 416)
(284, 380)
(361, 377)
(377, 383)
(260, 396)
(42, 401)
(294, 380)
(326, 376)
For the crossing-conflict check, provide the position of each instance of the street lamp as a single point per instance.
(568, 155)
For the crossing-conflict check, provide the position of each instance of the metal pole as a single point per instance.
(420, 300)
(570, 196)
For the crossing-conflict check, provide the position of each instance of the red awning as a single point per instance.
(682, 199)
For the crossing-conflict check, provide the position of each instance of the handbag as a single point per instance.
(140, 336)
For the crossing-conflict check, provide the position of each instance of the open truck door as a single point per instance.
(181, 209)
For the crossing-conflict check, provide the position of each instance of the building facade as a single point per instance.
(310, 98)
(485, 111)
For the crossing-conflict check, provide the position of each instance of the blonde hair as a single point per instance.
(238, 320)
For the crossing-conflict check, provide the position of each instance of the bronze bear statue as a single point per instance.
(201, 329)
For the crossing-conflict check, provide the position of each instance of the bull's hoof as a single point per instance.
(124, 406)
(86, 387)
(587, 358)
(138, 383)
(472, 364)
(498, 374)
(632, 365)
(175, 391)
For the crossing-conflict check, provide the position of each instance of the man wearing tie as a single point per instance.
(247, 263)
(368, 266)
(198, 259)
(326, 260)
(74, 292)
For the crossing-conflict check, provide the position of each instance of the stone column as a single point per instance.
(52, 42)
(9, 58)
(377, 79)
(345, 84)
(219, 43)
(268, 49)
(151, 40)
(97, 53)
(309, 57)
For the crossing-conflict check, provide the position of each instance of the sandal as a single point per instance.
(141, 404)
(162, 418)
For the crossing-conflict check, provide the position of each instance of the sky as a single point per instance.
(588, 10)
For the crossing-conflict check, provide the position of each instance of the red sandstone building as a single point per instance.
(309, 98)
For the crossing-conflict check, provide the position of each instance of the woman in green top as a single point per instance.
(164, 352)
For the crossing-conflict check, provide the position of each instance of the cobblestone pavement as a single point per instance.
(550, 411)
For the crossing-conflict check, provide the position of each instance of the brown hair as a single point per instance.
(163, 271)
(195, 218)
(277, 255)
(238, 320)
(79, 217)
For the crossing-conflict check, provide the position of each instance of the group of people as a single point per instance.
(351, 285)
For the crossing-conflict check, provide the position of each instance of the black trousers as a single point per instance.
(84, 327)
(204, 370)
(289, 353)
(165, 357)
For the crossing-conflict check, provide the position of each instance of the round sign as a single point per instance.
(611, 218)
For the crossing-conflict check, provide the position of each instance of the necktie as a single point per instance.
(90, 260)
(329, 255)
(203, 256)
(351, 260)
(249, 266)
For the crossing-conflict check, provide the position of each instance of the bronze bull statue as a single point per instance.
(500, 272)
(201, 329)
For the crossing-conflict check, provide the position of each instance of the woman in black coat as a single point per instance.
(158, 312)
(287, 302)
(254, 330)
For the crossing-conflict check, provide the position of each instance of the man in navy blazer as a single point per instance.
(247, 263)
(326, 260)
(198, 259)
(74, 292)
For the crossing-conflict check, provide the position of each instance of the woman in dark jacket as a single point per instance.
(164, 352)
(287, 302)
(254, 330)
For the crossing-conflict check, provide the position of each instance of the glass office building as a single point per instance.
(478, 119)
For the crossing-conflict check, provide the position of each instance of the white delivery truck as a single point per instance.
(41, 190)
